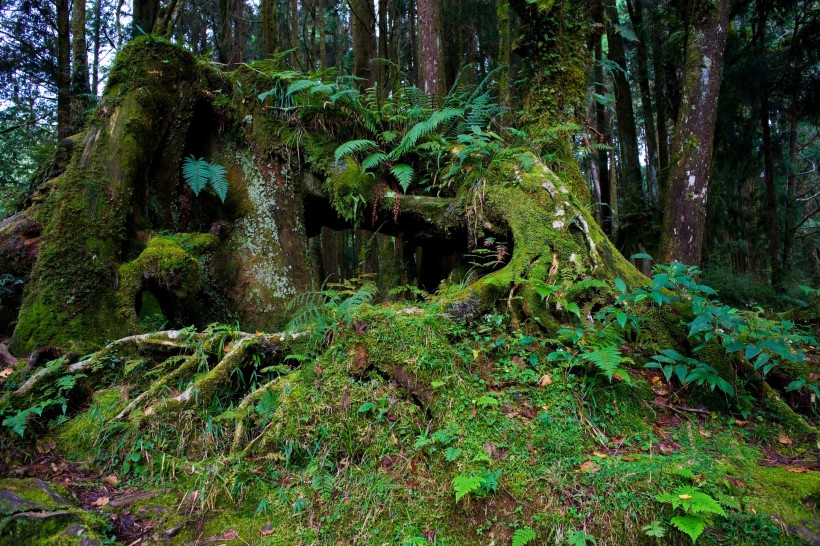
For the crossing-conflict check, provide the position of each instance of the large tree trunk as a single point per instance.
(80, 88)
(684, 220)
(431, 49)
(363, 22)
(64, 125)
(101, 264)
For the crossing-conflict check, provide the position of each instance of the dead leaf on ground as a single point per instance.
(590, 468)
(599, 455)
(546, 380)
(797, 469)
(46, 445)
(266, 529)
(684, 497)
(7, 372)
(111, 479)
(783, 439)
(101, 501)
(230, 535)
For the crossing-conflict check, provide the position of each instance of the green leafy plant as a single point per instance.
(199, 174)
(475, 484)
(697, 510)
(523, 536)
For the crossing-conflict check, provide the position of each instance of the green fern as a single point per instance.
(353, 146)
(691, 524)
(464, 485)
(608, 360)
(199, 173)
(523, 536)
(404, 174)
(196, 173)
(373, 160)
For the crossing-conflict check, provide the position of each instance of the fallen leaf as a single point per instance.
(101, 501)
(797, 469)
(740, 423)
(45, 445)
(590, 468)
(617, 377)
(7, 372)
(684, 497)
(629, 458)
(230, 535)
(111, 480)
(599, 455)
(783, 439)
(546, 380)
(266, 529)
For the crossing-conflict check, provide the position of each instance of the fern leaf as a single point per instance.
(607, 359)
(218, 180)
(301, 85)
(690, 524)
(373, 160)
(404, 174)
(464, 485)
(196, 173)
(352, 147)
(523, 536)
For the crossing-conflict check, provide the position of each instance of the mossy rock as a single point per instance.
(36, 513)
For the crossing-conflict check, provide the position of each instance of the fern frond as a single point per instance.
(218, 180)
(424, 128)
(301, 85)
(692, 525)
(196, 173)
(404, 174)
(352, 147)
(607, 359)
(523, 536)
(464, 485)
(373, 160)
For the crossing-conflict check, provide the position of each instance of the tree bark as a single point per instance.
(772, 223)
(80, 88)
(631, 192)
(504, 50)
(144, 16)
(64, 122)
(636, 11)
(431, 50)
(270, 27)
(363, 19)
(684, 218)
(659, 68)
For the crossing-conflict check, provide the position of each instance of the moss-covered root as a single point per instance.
(203, 390)
(241, 414)
(185, 367)
(172, 340)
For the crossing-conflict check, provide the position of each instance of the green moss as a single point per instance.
(79, 437)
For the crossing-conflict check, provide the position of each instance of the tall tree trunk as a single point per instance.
(413, 54)
(659, 68)
(294, 30)
(791, 191)
(144, 16)
(632, 193)
(97, 32)
(322, 37)
(431, 59)
(270, 27)
(382, 69)
(603, 130)
(772, 224)
(504, 49)
(225, 32)
(64, 125)
(80, 88)
(636, 11)
(363, 16)
(684, 218)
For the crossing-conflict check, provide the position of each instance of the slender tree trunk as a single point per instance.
(504, 49)
(225, 32)
(240, 34)
(363, 17)
(95, 71)
(636, 13)
(64, 125)
(144, 16)
(659, 67)
(413, 55)
(322, 37)
(791, 191)
(294, 30)
(684, 220)
(603, 130)
(270, 27)
(382, 69)
(80, 88)
(431, 59)
(632, 194)
(772, 224)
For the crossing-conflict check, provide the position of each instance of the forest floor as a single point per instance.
(407, 426)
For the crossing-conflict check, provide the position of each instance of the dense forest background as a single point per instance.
(761, 227)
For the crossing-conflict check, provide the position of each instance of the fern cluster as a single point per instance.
(200, 174)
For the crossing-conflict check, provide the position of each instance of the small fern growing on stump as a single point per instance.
(199, 173)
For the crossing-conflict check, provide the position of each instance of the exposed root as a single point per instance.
(241, 413)
(157, 386)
